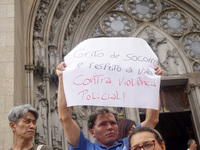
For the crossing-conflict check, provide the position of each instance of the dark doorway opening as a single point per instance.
(176, 129)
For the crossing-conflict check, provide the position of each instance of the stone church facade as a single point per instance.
(35, 35)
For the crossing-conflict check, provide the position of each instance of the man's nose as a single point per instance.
(110, 127)
(32, 125)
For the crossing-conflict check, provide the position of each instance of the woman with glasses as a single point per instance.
(146, 138)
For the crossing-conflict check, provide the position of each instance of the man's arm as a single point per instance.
(152, 116)
(71, 128)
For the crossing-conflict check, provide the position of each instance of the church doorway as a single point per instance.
(176, 129)
(175, 120)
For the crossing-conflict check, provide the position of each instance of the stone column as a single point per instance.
(132, 114)
(194, 99)
(46, 78)
(29, 86)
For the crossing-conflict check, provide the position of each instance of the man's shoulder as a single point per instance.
(44, 147)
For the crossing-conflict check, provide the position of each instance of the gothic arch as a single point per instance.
(55, 27)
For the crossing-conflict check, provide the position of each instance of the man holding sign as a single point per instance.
(103, 124)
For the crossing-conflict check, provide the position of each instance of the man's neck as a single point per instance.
(107, 145)
(22, 144)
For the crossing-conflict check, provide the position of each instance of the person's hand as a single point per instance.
(60, 68)
(158, 71)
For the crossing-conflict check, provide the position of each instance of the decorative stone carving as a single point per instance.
(97, 32)
(196, 27)
(41, 104)
(80, 114)
(117, 23)
(78, 11)
(167, 53)
(81, 7)
(171, 62)
(143, 10)
(54, 60)
(191, 45)
(153, 41)
(53, 30)
(175, 22)
(119, 6)
(39, 52)
(58, 14)
(41, 15)
(56, 125)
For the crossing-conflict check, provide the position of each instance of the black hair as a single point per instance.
(99, 111)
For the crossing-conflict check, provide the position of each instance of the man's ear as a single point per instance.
(92, 132)
(163, 146)
(12, 126)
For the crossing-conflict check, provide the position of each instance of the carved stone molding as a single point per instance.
(175, 22)
(41, 104)
(191, 45)
(117, 23)
(29, 67)
(143, 10)
(39, 53)
(41, 15)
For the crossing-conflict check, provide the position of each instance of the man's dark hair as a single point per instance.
(100, 111)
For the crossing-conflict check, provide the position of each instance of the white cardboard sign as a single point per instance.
(114, 72)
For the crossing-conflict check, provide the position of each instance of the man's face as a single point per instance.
(193, 145)
(25, 127)
(105, 129)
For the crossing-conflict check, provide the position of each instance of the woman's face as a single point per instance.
(147, 140)
(131, 130)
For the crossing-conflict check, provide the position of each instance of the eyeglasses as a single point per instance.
(148, 145)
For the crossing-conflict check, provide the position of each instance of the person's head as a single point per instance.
(103, 126)
(146, 138)
(125, 128)
(22, 121)
(192, 145)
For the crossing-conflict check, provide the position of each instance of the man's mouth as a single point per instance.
(110, 134)
(31, 132)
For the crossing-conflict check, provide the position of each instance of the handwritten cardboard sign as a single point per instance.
(114, 72)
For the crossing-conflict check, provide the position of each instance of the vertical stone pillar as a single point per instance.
(29, 88)
(132, 114)
(194, 99)
(7, 70)
(46, 78)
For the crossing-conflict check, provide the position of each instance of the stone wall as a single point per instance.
(7, 69)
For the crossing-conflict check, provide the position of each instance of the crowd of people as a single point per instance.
(103, 124)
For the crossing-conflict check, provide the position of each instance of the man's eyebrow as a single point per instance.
(25, 118)
(102, 122)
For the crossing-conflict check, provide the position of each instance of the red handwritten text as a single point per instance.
(97, 79)
(138, 82)
(85, 94)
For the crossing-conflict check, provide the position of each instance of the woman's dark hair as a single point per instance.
(156, 134)
(124, 126)
(100, 111)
